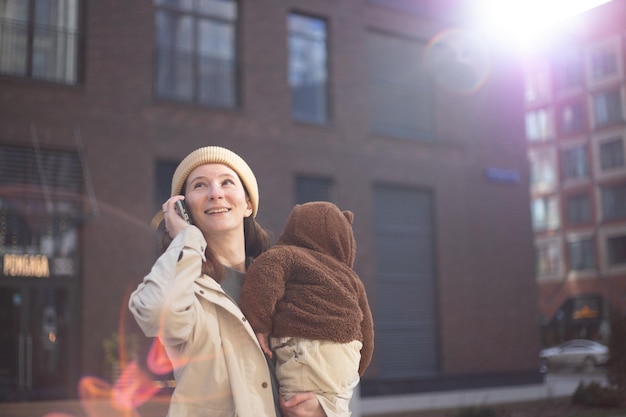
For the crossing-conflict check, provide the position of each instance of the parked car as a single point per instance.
(583, 354)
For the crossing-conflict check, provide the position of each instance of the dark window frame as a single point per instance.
(58, 35)
(165, 85)
(568, 70)
(613, 202)
(320, 107)
(614, 114)
(616, 250)
(581, 254)
(402, 90)
(578, 209)
(611, 153)
(579, 120)
(574, 165)
(313, 188)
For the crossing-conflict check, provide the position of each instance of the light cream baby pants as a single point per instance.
(328, 369)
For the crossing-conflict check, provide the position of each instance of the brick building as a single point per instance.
(385, 108)
(575, 126)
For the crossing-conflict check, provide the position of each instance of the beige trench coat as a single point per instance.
(220, 369)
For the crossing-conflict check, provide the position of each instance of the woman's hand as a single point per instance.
(302, 405)
(263, 341)
(174, 223)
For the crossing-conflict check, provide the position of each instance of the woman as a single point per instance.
(189, 298)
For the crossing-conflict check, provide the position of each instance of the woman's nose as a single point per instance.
(215, 192)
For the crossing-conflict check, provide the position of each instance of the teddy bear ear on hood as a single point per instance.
(349, 215)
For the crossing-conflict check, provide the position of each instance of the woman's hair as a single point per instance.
(257, 240)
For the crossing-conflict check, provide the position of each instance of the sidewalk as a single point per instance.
(554, 387)
(464, 398)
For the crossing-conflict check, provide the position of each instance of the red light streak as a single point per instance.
(134, 387)
(158, 361)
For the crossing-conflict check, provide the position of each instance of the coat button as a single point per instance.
(264, 385)
(201, 291)
(243, 319)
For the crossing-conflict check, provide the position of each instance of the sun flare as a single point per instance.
(524, 22)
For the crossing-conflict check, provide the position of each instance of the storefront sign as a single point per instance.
(26, 266)
(585, 313)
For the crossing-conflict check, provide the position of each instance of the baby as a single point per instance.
(309, 307)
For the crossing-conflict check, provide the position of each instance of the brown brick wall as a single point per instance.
(485, 286)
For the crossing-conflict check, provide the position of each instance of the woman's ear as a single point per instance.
(248, 208)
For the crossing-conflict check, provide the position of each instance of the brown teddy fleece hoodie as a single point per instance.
(304, 286)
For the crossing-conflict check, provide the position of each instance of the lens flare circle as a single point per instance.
(458, 60)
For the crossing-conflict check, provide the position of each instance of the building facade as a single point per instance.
(387, 109)
(575, 126)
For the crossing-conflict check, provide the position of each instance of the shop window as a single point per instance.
(578, 209)
(196, 51)
(308, 68)
(40, 39)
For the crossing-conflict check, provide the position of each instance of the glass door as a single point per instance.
(37, 344)
(11, 343)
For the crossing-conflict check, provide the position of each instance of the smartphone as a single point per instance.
(182, 210)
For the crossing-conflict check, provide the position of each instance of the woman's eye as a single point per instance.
(198, 185)
(228, 182)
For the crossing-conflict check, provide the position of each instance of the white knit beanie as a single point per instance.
(214, 155)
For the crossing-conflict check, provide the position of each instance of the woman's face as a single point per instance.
(216, 199)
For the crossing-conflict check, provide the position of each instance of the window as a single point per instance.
(578, 209)
(45, 223)
(568, 70)
(574, 163)
(603, 62)
(400, 90)
(536, 83)
(308, 69)
(614, 202)
(581, 254)
(548, 258)
(538, 125)
(607, 107)
(572, 117)
(195, 51)
(616, 250)
(163, 190)
(39, 39)
(312, 189)
(542, 169)
(545, 213)
(612, 154)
